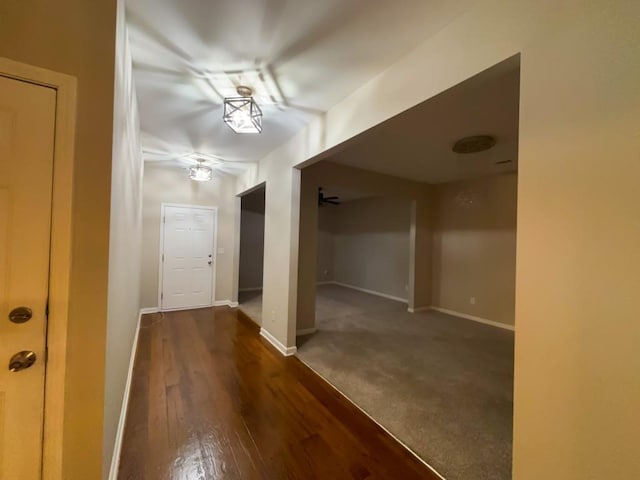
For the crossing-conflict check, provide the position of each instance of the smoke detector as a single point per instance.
(474, 144)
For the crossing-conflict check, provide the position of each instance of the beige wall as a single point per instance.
(577, 270)
(576, 362)
(251, 249)
(163, 185)
(366, 243)
(125, 240)
(372, 245)
(474, 253)
(329, 174)
(78, 38)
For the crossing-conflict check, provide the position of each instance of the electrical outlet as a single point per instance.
(472, 300)
(326, 272)
(273, 316)
(406, 287)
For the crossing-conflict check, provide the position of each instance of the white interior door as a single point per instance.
(188, 257)
(27, 120)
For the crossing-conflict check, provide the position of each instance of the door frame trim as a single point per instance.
(163, 205)
(59, 256)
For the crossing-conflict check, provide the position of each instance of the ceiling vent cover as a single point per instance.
(474, 144)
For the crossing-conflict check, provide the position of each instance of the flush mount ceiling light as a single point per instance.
(200, 172)
(474, 144)
(242, 113)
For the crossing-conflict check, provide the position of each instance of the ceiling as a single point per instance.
(416, 144)
(302, 56)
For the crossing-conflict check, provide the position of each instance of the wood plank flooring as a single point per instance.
(211, 399)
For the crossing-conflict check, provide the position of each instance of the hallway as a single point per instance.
(211, 399)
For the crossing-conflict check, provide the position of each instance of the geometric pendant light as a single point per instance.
(200, 172)
(242, 113)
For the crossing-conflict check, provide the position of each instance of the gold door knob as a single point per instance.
(22, 360)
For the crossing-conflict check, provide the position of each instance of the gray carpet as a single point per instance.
(441, 384)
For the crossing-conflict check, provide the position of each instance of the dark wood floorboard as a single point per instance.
(211, 399)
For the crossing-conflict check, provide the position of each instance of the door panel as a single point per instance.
(188, 247)
(176, 250)
(27, 121)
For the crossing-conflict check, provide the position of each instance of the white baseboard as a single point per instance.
(250, 289)
(225, 303)
(183, 309)
(371, 292)
(474, 318)
(306, 331)
(217, 303)
(286, 351)
(418, 309)
(117, 448)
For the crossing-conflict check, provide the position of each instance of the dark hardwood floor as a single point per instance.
(211, 399)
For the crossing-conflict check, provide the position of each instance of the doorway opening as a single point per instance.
(431, 358)
(250, 276)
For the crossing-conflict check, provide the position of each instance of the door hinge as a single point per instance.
(163, 257)
(164, 219)
(162, 296)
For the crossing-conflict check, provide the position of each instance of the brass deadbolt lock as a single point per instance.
(22, 360)
(20, 314)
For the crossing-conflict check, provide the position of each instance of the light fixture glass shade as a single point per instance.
(200, 173)
(242, 114)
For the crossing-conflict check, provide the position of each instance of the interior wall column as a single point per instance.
(237, 219)
(281, 235)
(421, 252)
(308, 253)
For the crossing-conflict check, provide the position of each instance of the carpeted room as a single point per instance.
(439, 383)
(407, 280)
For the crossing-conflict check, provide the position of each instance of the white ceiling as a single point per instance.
(417, 143)
(311, 54)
